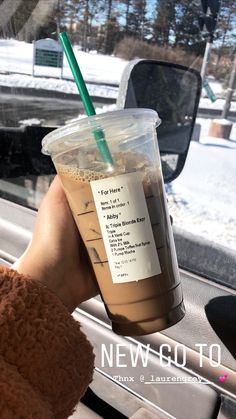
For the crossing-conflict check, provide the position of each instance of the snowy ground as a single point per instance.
(16, 59)
(203, 199)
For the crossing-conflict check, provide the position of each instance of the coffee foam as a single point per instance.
(125, 163)
(79, 175)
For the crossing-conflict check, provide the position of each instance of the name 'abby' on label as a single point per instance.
(126, 227)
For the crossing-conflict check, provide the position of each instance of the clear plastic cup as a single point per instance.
(122, 215)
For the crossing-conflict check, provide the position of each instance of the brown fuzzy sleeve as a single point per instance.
(43, 352)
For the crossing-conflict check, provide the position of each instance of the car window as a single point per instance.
(38, 94)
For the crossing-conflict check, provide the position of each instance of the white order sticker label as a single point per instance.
(126, 227)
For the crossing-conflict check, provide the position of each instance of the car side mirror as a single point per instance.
(173, 91)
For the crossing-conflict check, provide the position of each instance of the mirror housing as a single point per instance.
(173, 91)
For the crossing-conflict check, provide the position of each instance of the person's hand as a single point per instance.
(56, 255)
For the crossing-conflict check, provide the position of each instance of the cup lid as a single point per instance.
(102, 121)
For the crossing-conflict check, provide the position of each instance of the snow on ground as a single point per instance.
(53, 84)
(17, 57)
(218, 104)
(203, 198)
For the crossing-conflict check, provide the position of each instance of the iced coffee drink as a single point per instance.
(123, 220)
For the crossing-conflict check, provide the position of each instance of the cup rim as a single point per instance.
(87, 122)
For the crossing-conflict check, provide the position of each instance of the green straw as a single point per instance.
(88, 105)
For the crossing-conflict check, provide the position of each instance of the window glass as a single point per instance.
(38, 93)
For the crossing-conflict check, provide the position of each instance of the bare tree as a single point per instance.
(164, 21)
(225, 25)
(137, 19)
(108, 27)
